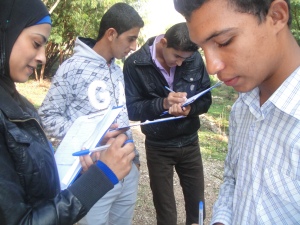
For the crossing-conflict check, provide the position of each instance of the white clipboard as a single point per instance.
(86, 131)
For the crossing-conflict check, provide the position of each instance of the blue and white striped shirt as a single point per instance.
(262, 168)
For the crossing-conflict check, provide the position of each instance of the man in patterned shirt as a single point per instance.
(249, 45)
(91, 81)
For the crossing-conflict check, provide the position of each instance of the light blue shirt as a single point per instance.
(262, 168)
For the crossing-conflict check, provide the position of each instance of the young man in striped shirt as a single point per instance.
(249, 45)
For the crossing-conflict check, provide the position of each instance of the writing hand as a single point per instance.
(174, 98)
(112, 134)
(178, 110)
(86, 161)
(95, 156)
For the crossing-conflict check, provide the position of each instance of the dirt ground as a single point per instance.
(144, 210)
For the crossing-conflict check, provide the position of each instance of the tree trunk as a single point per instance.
(42, 74)
(36, 74)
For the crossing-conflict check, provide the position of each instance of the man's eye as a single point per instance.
(132, 39)
(225, 43)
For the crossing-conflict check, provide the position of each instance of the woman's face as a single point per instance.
(28, 51)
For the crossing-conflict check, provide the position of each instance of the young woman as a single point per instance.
(29, 183)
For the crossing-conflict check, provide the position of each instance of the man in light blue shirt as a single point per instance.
(250, 47)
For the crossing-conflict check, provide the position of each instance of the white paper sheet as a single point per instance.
(86, 132)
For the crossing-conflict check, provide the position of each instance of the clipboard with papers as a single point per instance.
(86, 131)
(195, 97)
(150, 122)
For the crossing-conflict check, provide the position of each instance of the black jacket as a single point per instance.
(29, 184)
(145, 92)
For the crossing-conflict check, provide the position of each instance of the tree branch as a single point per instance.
(54, 6)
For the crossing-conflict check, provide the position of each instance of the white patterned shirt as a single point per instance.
(262, 168)
(84, 84)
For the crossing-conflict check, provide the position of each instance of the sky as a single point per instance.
(161, 16)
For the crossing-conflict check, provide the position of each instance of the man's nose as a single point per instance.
(214, 63)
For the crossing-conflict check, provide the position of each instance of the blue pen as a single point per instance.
(169, 89)
(97, 149)
(200, 213)
(193, 98)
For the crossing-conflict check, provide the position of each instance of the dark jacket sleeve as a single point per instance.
(140, 106)
(29, 183)
(66, 207)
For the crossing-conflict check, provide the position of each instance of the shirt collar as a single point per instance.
(285, 98)
(153, 46)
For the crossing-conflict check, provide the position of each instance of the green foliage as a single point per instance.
(223, 98)
(214, 131)
(76, 17)
(72, 18)
(295, 11)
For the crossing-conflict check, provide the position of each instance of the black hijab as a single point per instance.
(15, 15)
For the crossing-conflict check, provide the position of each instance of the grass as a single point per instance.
(212, 134)
(212, 145)
(34, 91)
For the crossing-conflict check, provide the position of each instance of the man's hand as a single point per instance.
(174, 98)
(112, 134)
(178, 110)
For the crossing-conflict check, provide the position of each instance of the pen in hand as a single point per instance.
(169, 89)
(97, 149)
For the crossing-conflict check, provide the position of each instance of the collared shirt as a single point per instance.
(262, 168)
(169, 77)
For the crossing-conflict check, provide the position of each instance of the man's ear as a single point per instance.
(279, 12)
(111, 33)
(164, 42)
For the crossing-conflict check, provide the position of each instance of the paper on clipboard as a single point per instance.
(195, 97)
(86, 131)
(150, 122)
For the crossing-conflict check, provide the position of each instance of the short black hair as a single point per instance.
(122, 17)
(258, 8)
(178, 38)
